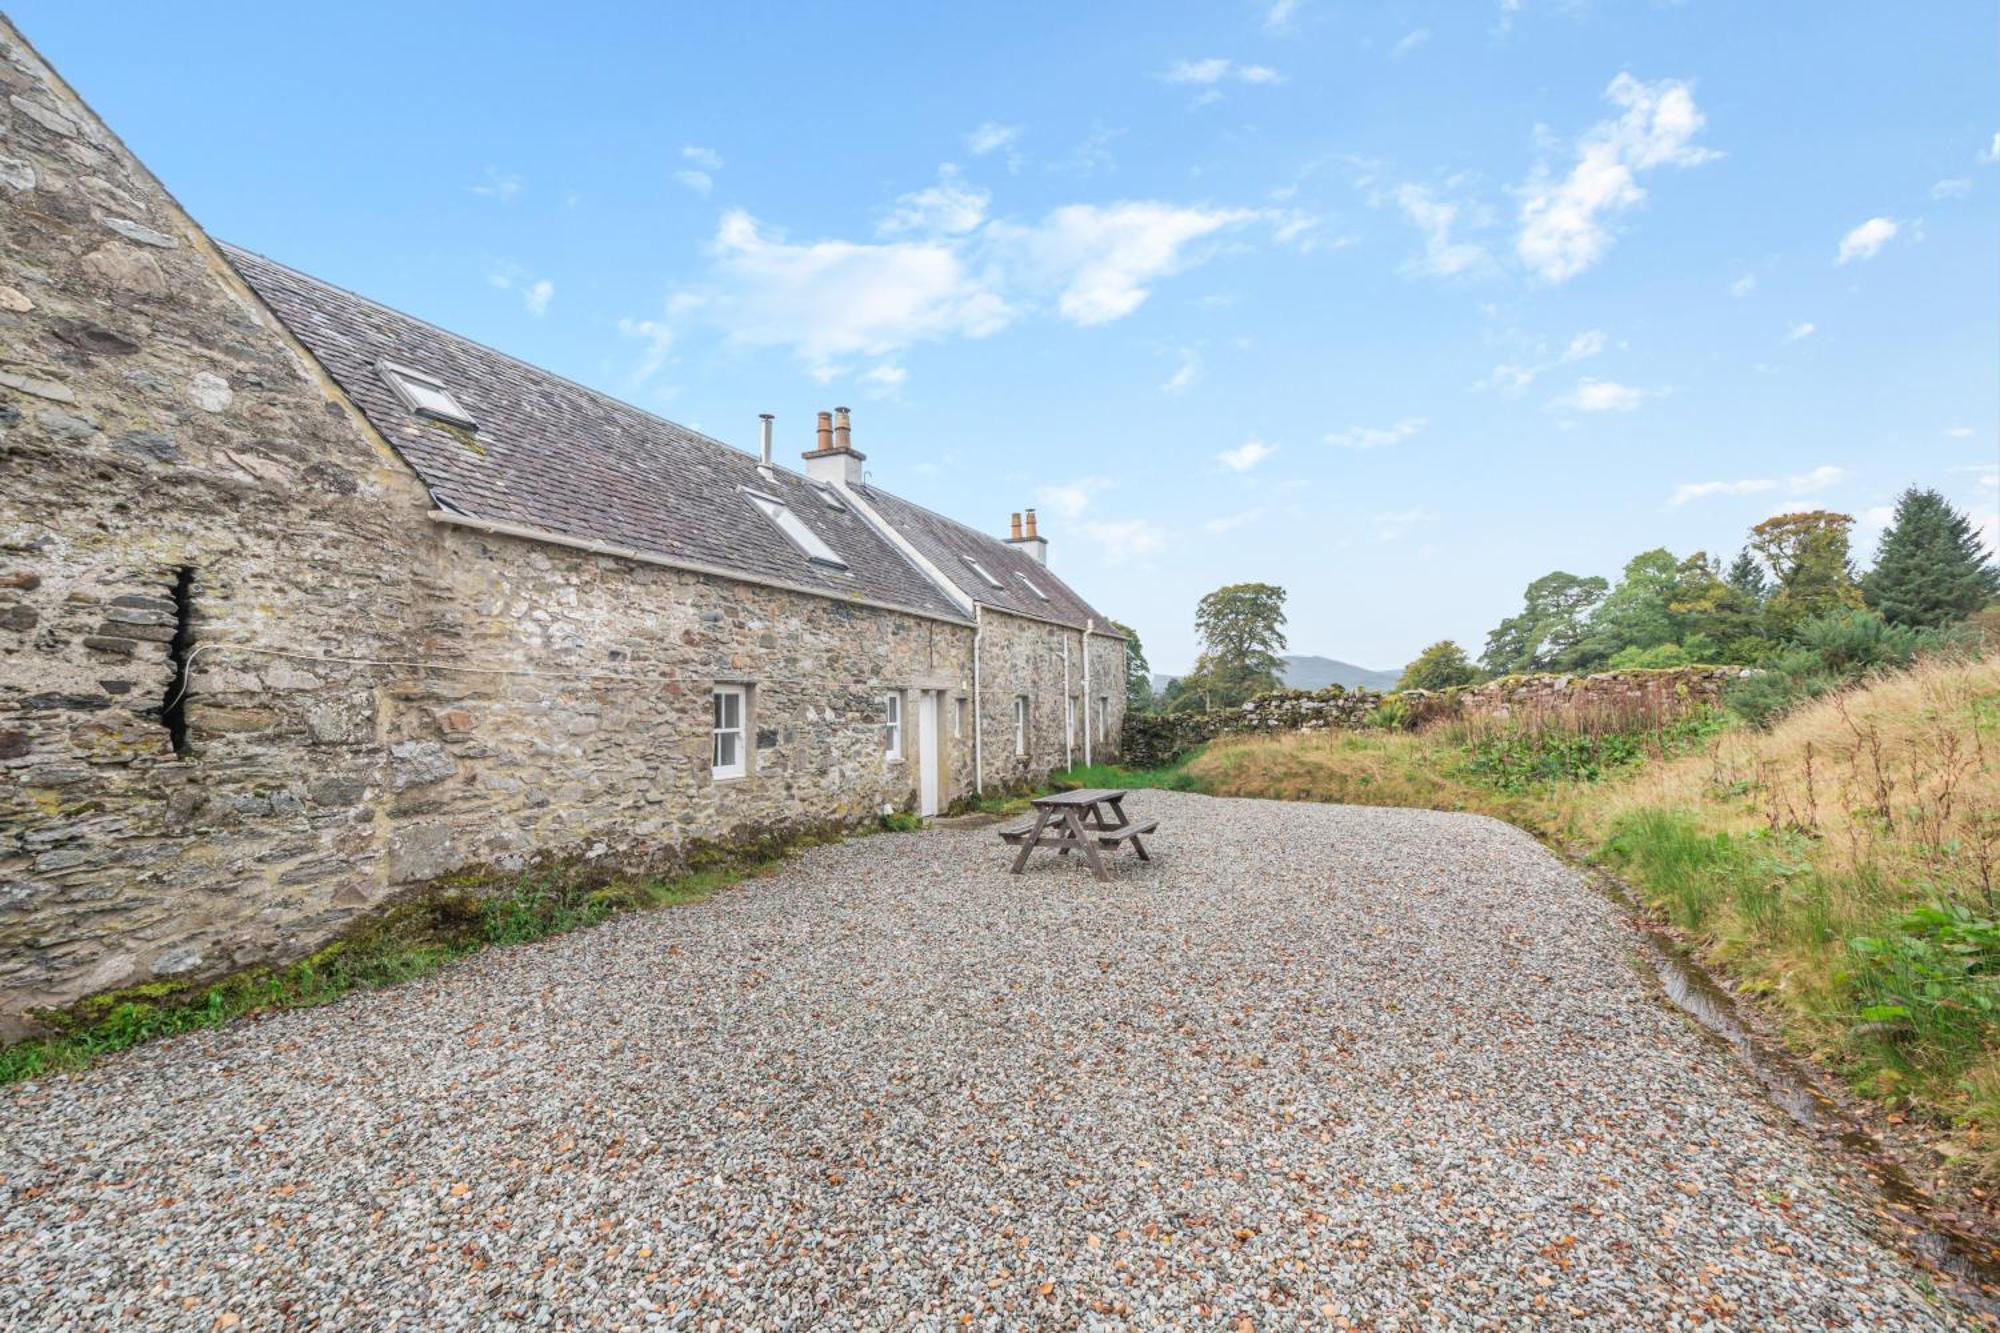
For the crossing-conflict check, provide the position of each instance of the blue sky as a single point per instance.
(1398, 305)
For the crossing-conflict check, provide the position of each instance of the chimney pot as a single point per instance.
(842, 432)
(1031, 525)
(764, 430)
(825, 441)
(1014, 526)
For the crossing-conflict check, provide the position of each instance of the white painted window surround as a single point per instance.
(424, 394)
(892, 726)
(1020, 724)
(731, 757)
(794, 528)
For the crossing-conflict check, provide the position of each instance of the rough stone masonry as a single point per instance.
(248, 689)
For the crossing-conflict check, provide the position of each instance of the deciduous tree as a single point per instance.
(1441, 666)
(1242, 634)
(1808, 554)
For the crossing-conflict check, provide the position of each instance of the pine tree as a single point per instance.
(1931, 568)
(1747, 576)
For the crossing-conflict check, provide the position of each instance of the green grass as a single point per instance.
(1174, 777)
(408, 939)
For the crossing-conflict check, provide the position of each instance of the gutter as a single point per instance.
(1086, 691)
(524, 533)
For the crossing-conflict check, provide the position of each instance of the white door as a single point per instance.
(927, 752)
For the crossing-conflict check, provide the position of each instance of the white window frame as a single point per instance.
(892, 727)
(1031, 585)
(1020, 725)
(980, 570)
(1103, 718)
(828, 498)
(424, 394)
(740, 732)
(794, 529)
(958, 709)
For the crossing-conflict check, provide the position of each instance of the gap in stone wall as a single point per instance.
(173, 707)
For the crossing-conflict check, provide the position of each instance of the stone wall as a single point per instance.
(1022, 657)
(249, 688)
(1608, 698)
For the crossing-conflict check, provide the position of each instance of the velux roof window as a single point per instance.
(980, 570)
(795, 529)
(829, 499)
(425, 394)
(1031, 586)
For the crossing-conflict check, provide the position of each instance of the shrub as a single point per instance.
(1658, 656)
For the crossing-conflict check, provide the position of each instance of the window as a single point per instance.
(1031, 586)
(1103, 718)
(425, 394)
(958, 719)
(795, 529)
(829, 499)
(980, 570)
(892, 726)
(730, 752)
(1020, 724)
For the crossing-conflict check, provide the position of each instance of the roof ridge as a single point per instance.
(231, 248)
(1000, 542)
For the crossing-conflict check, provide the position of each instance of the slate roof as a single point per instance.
(551, 454)
(947, 543)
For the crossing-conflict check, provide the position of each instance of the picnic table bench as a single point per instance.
(1091, 821)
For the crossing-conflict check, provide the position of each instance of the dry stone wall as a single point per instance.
(1612, 698)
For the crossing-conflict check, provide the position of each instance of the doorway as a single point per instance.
(929, 710)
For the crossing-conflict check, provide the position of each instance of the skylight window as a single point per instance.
(795, 529)
(980, 570)
(425, 394)
(1031, 586)
(829, 499)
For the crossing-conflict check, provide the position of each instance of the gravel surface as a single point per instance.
(1313, 1064)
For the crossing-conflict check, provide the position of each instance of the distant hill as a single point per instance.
(1315, 673)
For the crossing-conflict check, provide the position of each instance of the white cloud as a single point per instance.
(698, 181)
(705, 158)
(1281, 15)
(1959, 432)
(1991, 153)
(1214, 70)
(828, 299)
(1093, 154)
(1563, 226)
(1389, 527)
(1801, 330)
(535, 293)
(991, 137)
(1187, 375)
(1514, 377)
(1376, 437)
(1412, 39)
(1955, 187)
(1434, 217)
(884, 380)
(1699, 490)
(1593, 395)
(1102, 258)
(1223, 523)
(1070, 498)
(1125, 539)
(1865, 240)
(1246, 455)
(659, 340)
(1802, 484)
(947, 208)
(501, 185)
(1743, 286)
(537, 296)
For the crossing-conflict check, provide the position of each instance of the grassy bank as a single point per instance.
(1845, 864)
(402, 941)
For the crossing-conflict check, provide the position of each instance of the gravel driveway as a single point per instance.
(1402, 1071)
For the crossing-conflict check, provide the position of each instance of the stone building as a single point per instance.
(305, 603)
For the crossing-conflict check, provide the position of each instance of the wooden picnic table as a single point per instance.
(1091, 821)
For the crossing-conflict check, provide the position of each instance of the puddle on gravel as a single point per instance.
(1963, 1264)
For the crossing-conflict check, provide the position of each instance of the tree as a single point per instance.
(1719, 618)
(1242, 633)
(1807, 552)
(1638, 613)
(1931, 568)
(1138, 672)
(1550, 625)
(1747, 577)
(1439, 667)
